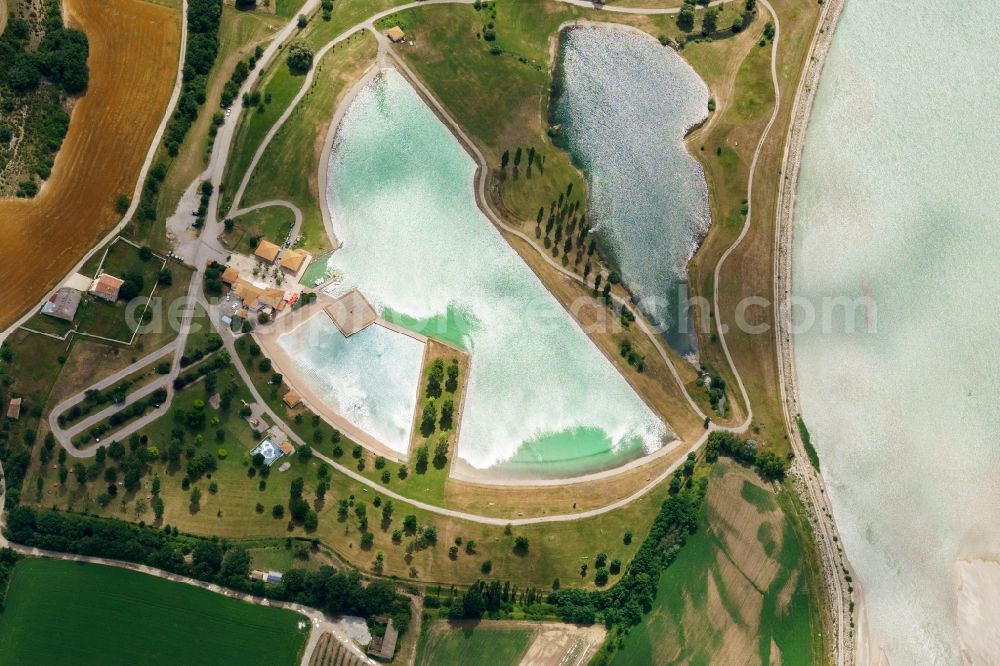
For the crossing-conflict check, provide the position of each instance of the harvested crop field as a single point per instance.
(106, 615)
(134, 47)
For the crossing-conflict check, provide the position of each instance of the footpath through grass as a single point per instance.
(105, 615)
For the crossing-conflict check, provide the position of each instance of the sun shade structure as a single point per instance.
(352, 313)
(267, 251)
(396, 34)
(292, 400)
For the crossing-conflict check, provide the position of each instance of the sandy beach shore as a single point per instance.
(267, 338)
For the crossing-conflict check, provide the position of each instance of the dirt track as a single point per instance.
(133, 59)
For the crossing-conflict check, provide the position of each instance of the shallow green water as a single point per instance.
(624, 105)
(898, 201)
(415, 243)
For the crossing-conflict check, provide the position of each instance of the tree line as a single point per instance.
(210, 560)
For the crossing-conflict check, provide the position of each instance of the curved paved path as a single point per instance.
(296, 213)
(642, 11)
(67, 433)
(367, 24)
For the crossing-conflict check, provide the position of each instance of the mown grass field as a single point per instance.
(289, 167)
(133, 60)
(444, 643)
(272, 223)
(742, 589)
(73, 613)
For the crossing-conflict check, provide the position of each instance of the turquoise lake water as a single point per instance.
(898, 199)
(624, 105)
(370, 378)
(416, 244)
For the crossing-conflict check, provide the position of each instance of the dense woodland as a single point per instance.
(36, 83)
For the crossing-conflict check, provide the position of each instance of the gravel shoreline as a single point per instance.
(850, 640)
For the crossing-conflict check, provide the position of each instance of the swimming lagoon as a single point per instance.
(623, 106)
(370, 378)
(416, 244)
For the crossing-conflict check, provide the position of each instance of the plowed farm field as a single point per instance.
(134, 47)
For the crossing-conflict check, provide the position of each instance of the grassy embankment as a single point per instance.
(239, 33)
(729, 143)
(289, 167)
(107, 615)
(742, 589)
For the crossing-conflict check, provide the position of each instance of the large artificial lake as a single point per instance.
(897, 199)
(623, 106)
(540, 394)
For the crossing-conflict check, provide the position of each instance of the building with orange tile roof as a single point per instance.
(106, 287)
(267, 251)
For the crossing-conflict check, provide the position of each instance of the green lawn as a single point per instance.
(289, 166)
(445, 643)
(287, 8)
(279, 87)
(72, 613)
(101, 318)
(273, 223)
(46, 324)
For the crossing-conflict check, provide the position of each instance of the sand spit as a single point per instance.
(977, 588)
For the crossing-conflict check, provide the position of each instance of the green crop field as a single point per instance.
(74, 613)
(471, 644)
(742, 585)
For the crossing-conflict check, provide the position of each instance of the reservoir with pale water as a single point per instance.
(541, 397)
(623, 106)
(898, 200)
